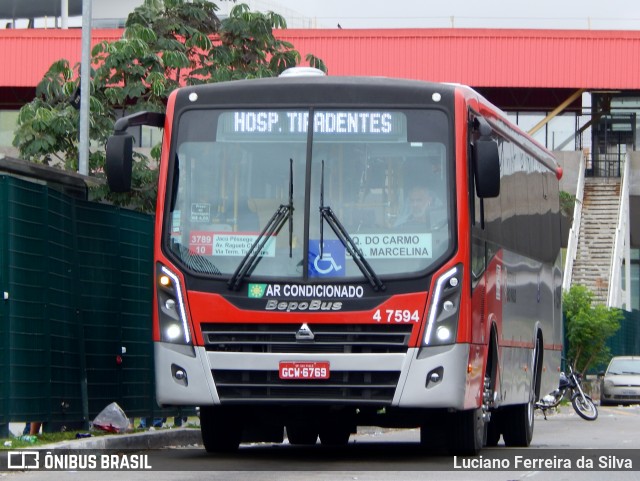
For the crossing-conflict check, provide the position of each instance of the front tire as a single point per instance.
(466, 436)
(460, 432)
(584, 406)
(221, 428)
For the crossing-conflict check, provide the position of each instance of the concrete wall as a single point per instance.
(570, 163)
(634, 199)
(634, 188)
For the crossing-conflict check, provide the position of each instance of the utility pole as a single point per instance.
(85, 89)
(64, 14)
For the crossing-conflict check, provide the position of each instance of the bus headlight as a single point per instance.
(442, 323)
(172, 315)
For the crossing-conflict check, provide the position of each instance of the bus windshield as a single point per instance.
(385, 175)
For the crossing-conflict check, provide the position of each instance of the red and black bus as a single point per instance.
(333, 252)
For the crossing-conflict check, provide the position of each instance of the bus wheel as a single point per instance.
(334, 435)
(221, 428)
(517, 430)
(467, 434)
(302, 434)
(518, 420)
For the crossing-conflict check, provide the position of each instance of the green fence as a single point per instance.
(75, 319)
(626, 341)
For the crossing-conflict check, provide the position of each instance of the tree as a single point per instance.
(166, 44)
(588, 327)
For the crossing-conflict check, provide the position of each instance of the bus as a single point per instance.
(336, 252)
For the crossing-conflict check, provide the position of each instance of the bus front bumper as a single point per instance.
(434, 377)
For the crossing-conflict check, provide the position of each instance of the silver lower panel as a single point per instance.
(381, 379)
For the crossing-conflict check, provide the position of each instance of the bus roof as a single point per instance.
(355, 92)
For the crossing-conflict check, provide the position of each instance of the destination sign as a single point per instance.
(352, 125)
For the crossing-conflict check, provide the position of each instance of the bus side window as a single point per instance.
(478, 259)
(478, 208)
(475, 203)
(476, 211)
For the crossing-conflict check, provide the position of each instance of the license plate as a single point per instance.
(292, 370)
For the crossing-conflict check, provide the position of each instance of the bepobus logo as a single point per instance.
(313, 305)
(23, 460)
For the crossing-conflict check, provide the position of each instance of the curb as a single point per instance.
(146, 440)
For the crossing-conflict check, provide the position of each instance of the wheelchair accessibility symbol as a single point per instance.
(325, 260)
(330, 262)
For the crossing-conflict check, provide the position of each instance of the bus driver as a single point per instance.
(419, 204)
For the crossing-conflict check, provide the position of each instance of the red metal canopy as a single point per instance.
(590, 59)
(482, 57)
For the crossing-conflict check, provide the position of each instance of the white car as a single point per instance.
(620, 383)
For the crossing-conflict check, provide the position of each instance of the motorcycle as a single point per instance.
(570, 383)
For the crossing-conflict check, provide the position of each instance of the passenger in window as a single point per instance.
(424, 211)
(418, 206)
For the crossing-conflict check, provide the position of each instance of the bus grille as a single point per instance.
(374, 387)
(328, 338)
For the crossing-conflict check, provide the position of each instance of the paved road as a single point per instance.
(395, 456)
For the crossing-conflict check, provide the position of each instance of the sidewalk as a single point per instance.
(158, 439)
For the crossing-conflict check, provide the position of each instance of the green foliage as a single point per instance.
(567, 203)
(248, 48)
(166, 44)
(588, 327)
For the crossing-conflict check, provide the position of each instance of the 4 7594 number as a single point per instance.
(396, 315)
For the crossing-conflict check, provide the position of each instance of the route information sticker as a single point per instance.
(394, 246)
(235, 244)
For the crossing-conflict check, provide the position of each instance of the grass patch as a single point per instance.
(44, 438)
(56, 437)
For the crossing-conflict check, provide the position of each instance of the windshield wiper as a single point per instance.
(252, 257)
(326, 213)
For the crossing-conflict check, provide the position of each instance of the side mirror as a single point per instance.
(119, 162)
(120, 148)
(486, 167)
